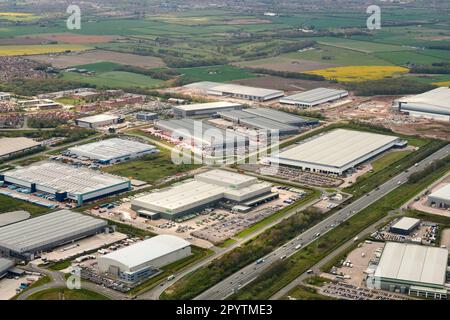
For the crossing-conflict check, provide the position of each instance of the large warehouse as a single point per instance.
(336, 151)
(204, 191)
(201, 133)
(281, 116)
(13, 146)
(434, 104)
(204, 109)
(139, 261)
(244, 118)
(412, 269)
(113, 150)
(405, 226)
(27, 239)
(441, 197)
(97, 121)
(245, 92)
(314, 97)
(5, 266)
(66, 182)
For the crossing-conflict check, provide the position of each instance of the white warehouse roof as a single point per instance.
(207, 106)
(111, 149)
(415, 264)
(314, 96)
(442, 193)
(64, 178)
(337, 148)
(435, 101)
(12, 145)
(406, 223)
(99, 118)
(142, 252)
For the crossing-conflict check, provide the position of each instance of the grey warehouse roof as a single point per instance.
(111, 149)
(434, 101)
(314, 95)
(99, 118)
(413, 263)
(246, 90)
(147, 250)
(276, 115)
(11, 145)
(443, 193)
(406, 223)
(257, 121)
(5, 265)
(206, 106)
(34, 233)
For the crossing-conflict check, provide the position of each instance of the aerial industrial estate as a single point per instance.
(212, 151)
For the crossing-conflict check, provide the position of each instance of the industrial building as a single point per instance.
(97, 121)
(141, 260)
(283, 117)
(5, 96)
(204, 109)
(205, 190)
(314, 97)
(66, 182)
(12, 146)
(412, 269)
(405, 226)
(245, 92)
(201, 134)
(441, 197)
(244, 118)
(5, 266)
(113, 150)
(434, 104)
(27, 239)
(336, 152)
(146, 116)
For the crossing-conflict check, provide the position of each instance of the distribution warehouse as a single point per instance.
(113, 150)
(98, 121)
(206, 189)
(413, 269)
(433, 104)
(5, 265)
(27, 239)
(204, 109)
(66, 182)
(12, 146)
(201, 133)
(144, 258)
(314, 97)
(441, 197)
(234, 91)
(336, 151)
(405, 226)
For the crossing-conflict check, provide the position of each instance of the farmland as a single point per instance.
(216, 73)
(18, 50)
(360, 73)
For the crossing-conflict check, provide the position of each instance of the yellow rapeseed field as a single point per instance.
(15, 14)
(358, 73)
(442, 84)
(39, 49)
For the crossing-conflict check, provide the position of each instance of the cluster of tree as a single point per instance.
(389, 86)
(162, 74)
(32, 87)
(287, 74)
(175, 62)
(416, 177)
(442, 46)
(45, 123)
(252, 250)
(435, 68)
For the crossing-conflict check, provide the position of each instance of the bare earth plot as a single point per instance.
(94, 56)
(288, 85)
(286, 64)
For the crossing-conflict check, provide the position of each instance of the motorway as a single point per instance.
(249, 273)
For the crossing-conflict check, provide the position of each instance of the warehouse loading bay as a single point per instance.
(349, 277)
(207, 227)
(425, 202)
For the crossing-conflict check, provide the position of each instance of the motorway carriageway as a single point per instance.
(249, 273)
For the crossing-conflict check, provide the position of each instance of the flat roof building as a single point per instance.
(434, 104)
(245, 92)
(5, 96)
(314, 97)
(405, 226)
(113, 150)
(66, 182)
(13, 217)
(336, 151)
(441, 197)
(97, 121)
(26, 239)
(139, 261)
(12, 146)
(146, 116)
(281, 116)
(412, 269)
(204, 190)
(244, 118)
(204, 109)
(201, 134)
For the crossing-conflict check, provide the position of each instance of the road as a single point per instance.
(249, 273)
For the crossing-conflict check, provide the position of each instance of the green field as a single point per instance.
(216, 73)
(150, 168)
(8, 204)
(66, 294)
(99, 67)
(358, 45)
(115, 79)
